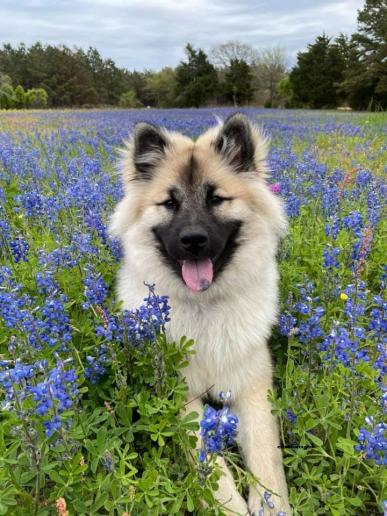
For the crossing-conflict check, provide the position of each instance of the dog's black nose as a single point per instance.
(194, 241)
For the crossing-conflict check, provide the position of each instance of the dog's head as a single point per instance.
(197, 204)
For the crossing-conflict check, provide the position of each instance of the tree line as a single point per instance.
(345, 71)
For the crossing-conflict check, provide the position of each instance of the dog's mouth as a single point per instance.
(198, 274)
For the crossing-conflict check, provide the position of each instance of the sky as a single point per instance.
(151, 34)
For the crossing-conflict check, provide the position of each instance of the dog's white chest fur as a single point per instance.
(229, 330)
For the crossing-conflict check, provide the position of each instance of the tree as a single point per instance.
(20, 97)
(161, 87)
(315, 77)
(269, 70)
(285, 91)
(237, 84)
(70, 76)
(222, 55)
(196, 79)
(36, 98)
(365, 77)
(129, 100)
(5, 79)
(7, 96)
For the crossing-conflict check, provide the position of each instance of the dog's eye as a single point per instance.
(170, 204)
(215, 200)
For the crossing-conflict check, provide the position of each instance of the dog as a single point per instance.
(199, 220)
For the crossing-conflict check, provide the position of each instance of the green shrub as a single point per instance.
(129, 100)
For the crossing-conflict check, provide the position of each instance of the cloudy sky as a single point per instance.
(142, 34)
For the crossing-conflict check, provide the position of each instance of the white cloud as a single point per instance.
(152, 33)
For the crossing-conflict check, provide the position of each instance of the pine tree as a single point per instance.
(237, 82)
(365, 79)
(196, 79)
(317, 73)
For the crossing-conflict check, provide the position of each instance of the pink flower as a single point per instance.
(275, 187)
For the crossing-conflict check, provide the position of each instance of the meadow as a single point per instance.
(90, 397)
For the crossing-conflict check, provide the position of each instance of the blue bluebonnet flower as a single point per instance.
(14, 375)
(332, 227)
(343, 347)
(46, 283)
(5, 232)
(53, 391)
(111, 327)
(19, 248)
(54, 324)
(364, 178)
(293, 205)
(149, 319)
(303, 318)
(310, 328)
(330, 257)
(355, 303)
(115, 248)
(330, 198)
(291, 416)
(286, 323)
(95, 368)
(218, 429)
(81, 244)
(95, 289)
(354, 221)
(373, 442)
(60, 258)
(32, 202)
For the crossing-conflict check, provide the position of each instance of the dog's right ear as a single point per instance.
(149, 143)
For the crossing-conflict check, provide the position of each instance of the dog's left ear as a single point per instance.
(235, 143)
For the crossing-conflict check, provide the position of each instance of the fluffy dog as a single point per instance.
(199, 221)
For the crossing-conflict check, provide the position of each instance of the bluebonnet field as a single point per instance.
(90, 397)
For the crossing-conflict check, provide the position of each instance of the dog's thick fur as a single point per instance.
(172, 183)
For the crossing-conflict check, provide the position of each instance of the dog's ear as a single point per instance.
(149, 149)
(235, 143)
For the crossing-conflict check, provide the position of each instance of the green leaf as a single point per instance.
(346, 445)
(357, 502)
(316, 440)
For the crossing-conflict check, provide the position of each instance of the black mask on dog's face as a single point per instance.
(195, 242)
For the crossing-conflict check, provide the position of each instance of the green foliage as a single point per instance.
(7, 96)
(350, 70)
(285, 90)
(365, 80)
(127, 450)
(70, 77)
(20, 97)
(161, 86)
(196, 79)
(36, 98)
(129, 100)
(316, 74)
(237, 82)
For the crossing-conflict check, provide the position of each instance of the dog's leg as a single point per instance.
(258, 437)
(227, 494)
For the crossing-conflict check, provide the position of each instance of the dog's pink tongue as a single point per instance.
(198, 274)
